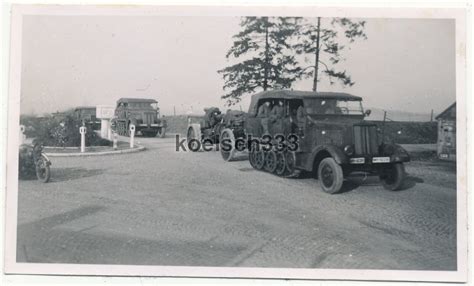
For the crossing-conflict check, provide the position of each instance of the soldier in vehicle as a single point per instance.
(278, 111)
(300, 116)
(212, 117)
(216, 117)
(264, 113)
(264, 110)
(330, 107)
(276, 117)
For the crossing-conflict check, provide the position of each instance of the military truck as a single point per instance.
(87, 114)
(210, 128)
(327, 135)
(143, 113)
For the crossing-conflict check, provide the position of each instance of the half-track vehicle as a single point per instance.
(327, 135)
(141, 112)
(209, 129)
(87, 114)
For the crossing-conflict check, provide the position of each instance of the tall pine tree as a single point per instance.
(321, 45)
(267, 61)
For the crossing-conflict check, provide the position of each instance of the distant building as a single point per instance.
(59, 115)
(447, 133)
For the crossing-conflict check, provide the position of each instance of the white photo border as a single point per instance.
(460, 15)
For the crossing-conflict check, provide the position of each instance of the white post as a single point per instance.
(22, 134)
(104, 127)
(83, 131)
(132, 135)
(115, 141)
(109, 131)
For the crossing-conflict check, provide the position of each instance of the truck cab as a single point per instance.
(143, 113)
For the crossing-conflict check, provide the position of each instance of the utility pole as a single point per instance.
(431, 120)
(174, 110)
(316, 64)
(383, 125)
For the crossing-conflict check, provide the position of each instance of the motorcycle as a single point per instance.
(34, 162)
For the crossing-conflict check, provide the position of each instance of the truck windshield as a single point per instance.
(334, 106)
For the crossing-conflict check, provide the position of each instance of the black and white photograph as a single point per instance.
(271, 142)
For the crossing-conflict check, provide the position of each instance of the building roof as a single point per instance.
(85, 107)
(144, 100)
(289, 94)
(447, 111)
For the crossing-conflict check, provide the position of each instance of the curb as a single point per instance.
(87, 154)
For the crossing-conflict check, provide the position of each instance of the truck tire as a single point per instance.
(227, 135)
(330, 176)
(392, 176)
(193, 137)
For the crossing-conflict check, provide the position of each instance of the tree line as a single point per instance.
(274, 52)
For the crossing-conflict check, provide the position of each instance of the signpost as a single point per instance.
(105, 113)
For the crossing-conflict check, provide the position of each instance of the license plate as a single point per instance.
(381, 160)
(357, 160)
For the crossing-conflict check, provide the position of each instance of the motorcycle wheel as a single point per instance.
(43, 172)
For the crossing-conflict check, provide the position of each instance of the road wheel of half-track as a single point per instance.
(280, 168)
(259, 157)
(270, 161)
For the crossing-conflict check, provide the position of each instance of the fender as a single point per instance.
(334, 151)
(48, 162)
(395, 151)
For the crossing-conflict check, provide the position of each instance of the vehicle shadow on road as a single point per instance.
(349, 185)
(240, 156)
(355, 181)
(69, 174)
(410, 182)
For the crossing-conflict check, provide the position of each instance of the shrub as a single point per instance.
(410, 132)
(60, 131)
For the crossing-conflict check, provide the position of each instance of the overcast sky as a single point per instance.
(405, 64)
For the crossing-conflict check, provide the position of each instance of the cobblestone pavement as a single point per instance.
(161, 207)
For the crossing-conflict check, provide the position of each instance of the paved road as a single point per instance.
(163, 207)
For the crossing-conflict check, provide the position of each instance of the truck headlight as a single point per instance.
(349, 150)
